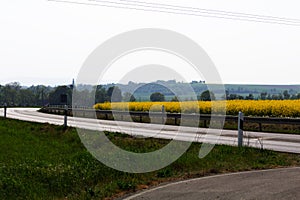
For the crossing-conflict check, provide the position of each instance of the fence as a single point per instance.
(118, 115)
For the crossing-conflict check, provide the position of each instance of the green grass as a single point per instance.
(42, 161)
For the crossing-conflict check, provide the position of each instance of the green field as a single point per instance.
(42, 161)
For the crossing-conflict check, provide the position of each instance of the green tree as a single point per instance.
(41, 94)
(26, 97)
(286, 94)
(269, 97)
(11, 93)
(114, 94)
(100, 94)
(157, 96)
(175, 99)
(250, 97)
(263, 95)
(207, 96)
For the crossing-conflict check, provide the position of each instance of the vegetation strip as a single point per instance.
(262, 108)
(42, 161)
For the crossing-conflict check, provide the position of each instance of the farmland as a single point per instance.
(262, 108)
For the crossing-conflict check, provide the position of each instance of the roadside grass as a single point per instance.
(43, 161)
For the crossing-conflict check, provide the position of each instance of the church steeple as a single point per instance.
(73, 84)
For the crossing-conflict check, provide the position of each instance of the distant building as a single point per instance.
(62, 95)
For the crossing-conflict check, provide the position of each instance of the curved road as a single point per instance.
(272, 184)
(277, 142)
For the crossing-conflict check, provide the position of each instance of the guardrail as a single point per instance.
(205, 118)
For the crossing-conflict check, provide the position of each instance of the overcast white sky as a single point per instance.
(44, 42)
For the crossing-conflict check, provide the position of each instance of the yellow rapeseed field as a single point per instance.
(265, 108)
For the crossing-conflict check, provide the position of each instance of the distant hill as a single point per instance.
(142, 91)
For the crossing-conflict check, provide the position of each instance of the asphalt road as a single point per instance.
(277, 142)
(267, 184)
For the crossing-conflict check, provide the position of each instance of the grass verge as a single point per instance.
(43, 161)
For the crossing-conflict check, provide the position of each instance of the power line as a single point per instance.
(198, 10)
(266, 19)
(216, 11)
(236, 16)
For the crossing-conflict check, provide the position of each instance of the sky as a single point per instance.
(47, 42)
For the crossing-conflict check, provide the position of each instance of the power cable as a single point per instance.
(235, 16)
(216, 11)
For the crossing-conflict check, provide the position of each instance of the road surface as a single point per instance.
(277, 142)
(274, 184)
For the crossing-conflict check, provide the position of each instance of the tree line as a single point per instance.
(264, 96)
(13, 94)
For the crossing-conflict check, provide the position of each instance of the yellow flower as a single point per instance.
(264, 108)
